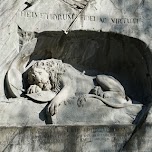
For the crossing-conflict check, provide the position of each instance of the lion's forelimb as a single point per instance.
(63, 95)
(109, 103)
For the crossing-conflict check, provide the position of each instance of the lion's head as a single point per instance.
(47, 72)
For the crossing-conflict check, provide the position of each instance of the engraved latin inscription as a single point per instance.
(71, 16)
(55, 16)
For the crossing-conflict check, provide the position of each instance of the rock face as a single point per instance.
(109, 38)
(60, 138)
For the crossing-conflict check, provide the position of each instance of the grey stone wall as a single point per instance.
(76, 138)
(64, 139)
(98, 36)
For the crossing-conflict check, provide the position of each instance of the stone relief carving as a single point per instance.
(54, 82)
(62, 81)
(35, 75)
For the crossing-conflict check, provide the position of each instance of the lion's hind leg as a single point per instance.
(109, 83)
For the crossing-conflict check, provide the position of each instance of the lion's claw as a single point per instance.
(52, 108)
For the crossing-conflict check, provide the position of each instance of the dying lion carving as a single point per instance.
(66, 82)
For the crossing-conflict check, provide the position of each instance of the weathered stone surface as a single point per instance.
(140, 140)
(22, 112)
(72, 30)
(76, 138)
(95, 112)
(64, 139)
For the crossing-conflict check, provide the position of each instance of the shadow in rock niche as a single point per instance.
(127, 59)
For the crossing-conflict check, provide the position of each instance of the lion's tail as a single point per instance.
(109, 103)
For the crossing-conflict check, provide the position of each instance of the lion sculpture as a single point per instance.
(65, 81)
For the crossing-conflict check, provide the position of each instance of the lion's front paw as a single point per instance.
(33, 89)
(52, 108)
(97, 91)
(81, 100)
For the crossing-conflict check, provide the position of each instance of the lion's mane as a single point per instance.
(55, 68)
